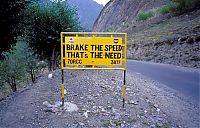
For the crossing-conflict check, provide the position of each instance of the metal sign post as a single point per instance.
(93, 51)
(62, 88)
(124, 89)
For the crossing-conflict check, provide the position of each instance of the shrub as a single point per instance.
(145, 15)
(184, 5)
(109, 29)
(12, 68)
(170, 7)
(29, 59)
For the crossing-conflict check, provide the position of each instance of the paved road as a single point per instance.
(185, 81)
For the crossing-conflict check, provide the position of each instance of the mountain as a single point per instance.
(172, 38)
(88, 11)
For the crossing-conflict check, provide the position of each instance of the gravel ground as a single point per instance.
(97, 94)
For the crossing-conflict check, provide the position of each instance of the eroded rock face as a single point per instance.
(183, 51)
(117, 12)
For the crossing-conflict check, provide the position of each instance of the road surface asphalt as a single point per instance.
(184, 80)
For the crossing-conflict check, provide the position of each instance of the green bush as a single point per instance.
(12, 67)
(30, 60)
(184, 5)
(109, 29)
(145, 15)
(170, 7)
(19, 62)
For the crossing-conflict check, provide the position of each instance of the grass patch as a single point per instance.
(145, 15)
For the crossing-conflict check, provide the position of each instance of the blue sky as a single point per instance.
(102, 1)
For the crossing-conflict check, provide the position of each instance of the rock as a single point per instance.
(50, 76)
(58, 104)
(70, 107)
(189, 40)
(197, 39)
(81, 124)
(53, 110)
(109, 107)
(94, 107)
(159, 124)
(46, 103)
(86, 114)
(153, 126)
(22, 117)
(65, 92)
(155, 105)
(133, 102)
(103, 110)
(158, 110)
(182, 39)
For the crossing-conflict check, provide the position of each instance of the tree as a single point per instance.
(19, 62)
(10, 11)
(29, 59)
(43, 24)
(12, 67)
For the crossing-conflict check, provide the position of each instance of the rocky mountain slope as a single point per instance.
(88, 11)
(169, 38)
(117, 12)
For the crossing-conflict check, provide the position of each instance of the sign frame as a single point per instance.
(93, 34)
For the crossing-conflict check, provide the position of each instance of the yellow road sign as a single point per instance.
(94, 49)
(89, 50)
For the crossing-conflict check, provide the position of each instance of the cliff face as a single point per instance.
(117, 12)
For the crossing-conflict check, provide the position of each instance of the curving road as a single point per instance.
(183, 80)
